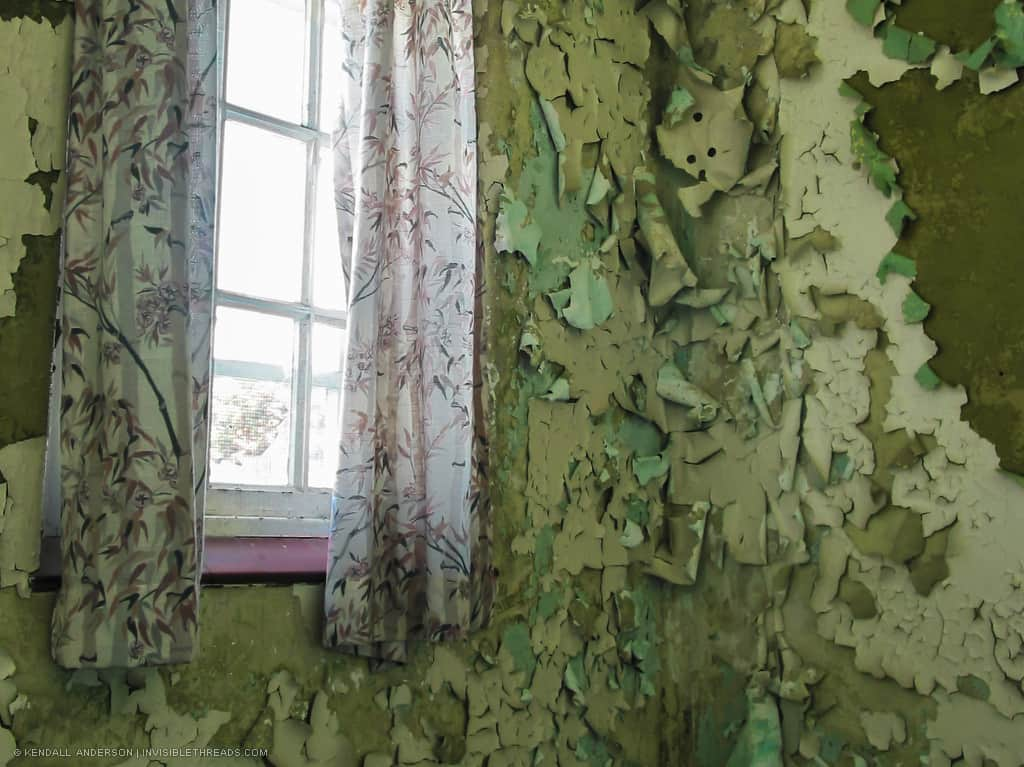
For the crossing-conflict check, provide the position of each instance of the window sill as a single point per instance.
(226, 561)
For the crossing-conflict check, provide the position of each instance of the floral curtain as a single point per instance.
(409, 555)
(135, 330)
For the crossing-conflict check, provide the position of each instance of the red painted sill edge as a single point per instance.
(228, 560)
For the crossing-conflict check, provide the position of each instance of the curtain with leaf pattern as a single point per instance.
(135, 330)
(409, 554)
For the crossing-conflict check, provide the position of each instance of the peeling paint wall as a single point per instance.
(754, 361)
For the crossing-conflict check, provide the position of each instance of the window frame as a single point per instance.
(296, 509)
(252, 534)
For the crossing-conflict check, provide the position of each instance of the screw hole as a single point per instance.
(712, 152)
(691, 159)
(698, 116)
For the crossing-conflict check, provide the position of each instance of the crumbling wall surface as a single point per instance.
(34, 73)
(917, 570)
(743, 512)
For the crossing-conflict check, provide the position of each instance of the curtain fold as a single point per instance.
(135, 328)
(409, 554)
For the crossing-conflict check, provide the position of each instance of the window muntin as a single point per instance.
(279, 317)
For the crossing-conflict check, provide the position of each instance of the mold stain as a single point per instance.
(955, 149)
(692, 473)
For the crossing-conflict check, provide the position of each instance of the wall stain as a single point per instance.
(957, 153)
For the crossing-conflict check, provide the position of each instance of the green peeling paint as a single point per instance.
(516, 639)
(927, 378)
(915, 308)
(1010, 34)
(587, 302)
(894, 263)
(898, 216)
(863, 11)
(514, 234)
(907, 46)
(879, 166)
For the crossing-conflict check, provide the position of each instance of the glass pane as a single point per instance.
(250, 437)
(328, 280)
(262, 213)
(325, 404)
(331, 75)
(266, 51)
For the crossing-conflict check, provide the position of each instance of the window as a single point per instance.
(279, 301)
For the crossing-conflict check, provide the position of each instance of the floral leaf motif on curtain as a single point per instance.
(409, 553)
(135, 328)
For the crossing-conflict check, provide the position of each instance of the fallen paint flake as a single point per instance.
(282, 690)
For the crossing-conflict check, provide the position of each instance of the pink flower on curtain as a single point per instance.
(409, 550)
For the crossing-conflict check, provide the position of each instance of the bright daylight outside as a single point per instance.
(279, 332)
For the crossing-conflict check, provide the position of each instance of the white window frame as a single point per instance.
(295, 509)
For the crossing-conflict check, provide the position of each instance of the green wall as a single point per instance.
(735, 522)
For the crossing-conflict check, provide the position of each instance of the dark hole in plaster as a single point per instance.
(691, 159)
(698, 116)
(712, 152)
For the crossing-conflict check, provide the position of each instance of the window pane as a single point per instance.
(325, 404)
(331, 75)
(266, 50)
(328, 280)
(252, 398)
(262, 213)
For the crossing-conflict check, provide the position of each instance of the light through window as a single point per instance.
(280, 324)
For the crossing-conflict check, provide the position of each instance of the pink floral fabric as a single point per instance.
(135, 330)
(409, 554)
